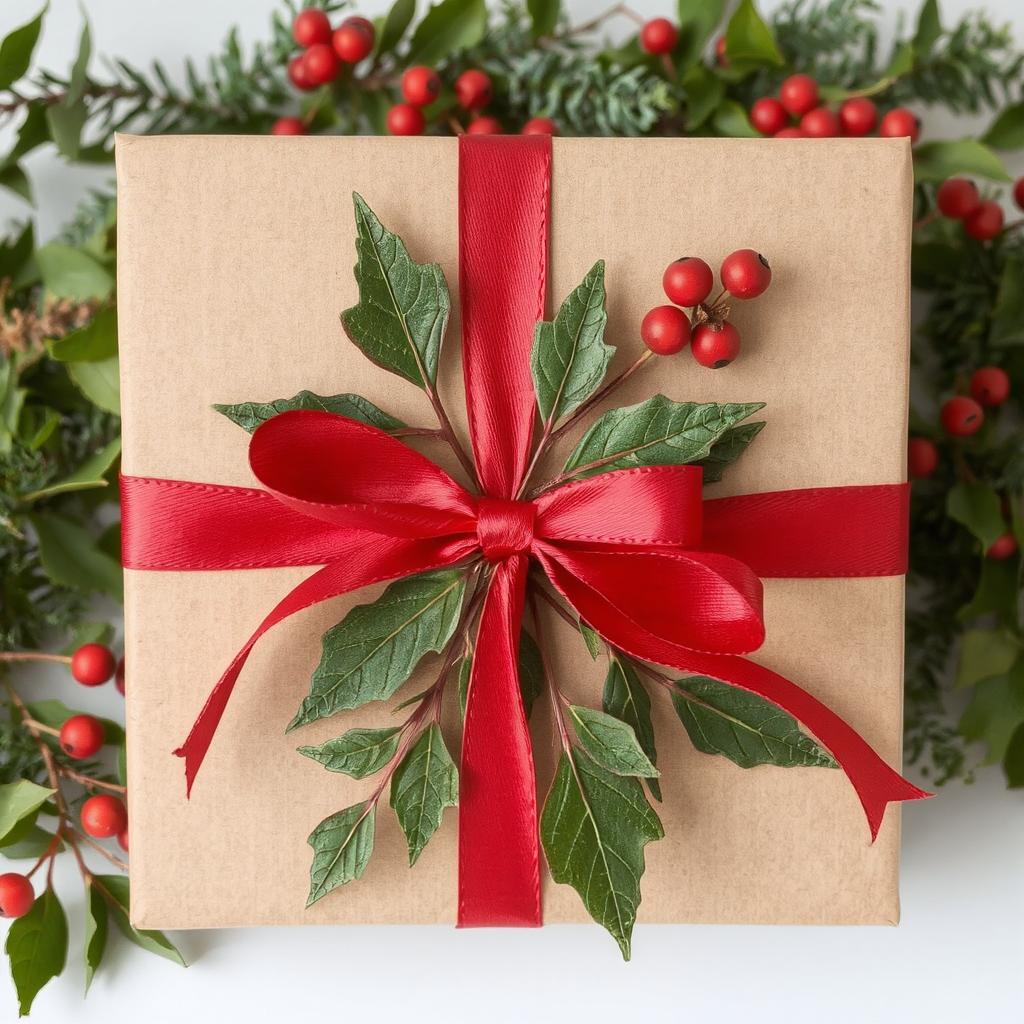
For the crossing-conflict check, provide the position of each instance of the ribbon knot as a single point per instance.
(504, 527)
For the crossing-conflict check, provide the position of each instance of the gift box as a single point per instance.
(235, 261)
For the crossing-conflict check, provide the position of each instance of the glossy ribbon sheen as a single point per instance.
(636, 553)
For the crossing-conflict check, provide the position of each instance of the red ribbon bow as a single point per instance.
(627, 549)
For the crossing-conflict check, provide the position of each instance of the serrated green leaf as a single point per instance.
(446, 29)
(704, 92)
(116, 891)
(1013, 760)
(544, 16)
(94, 342)
(697, 20)
(1008, 313)
(1007, 131)
(725, 451)
(37, 945)
(569, 357)
(398, 20)
(936, 161)
(54, 713)
(375, 648)
(17, 48)
(611, 743)
(984, 653)
(90, 474)
(95, 932)
(66, 122)
(99, 382)
(424, 784)
(69, 555)
(658, 432)
(72, 274)
(592, 639)
(929, 29)
(626, 697)
(995, 712)
(342, 845)
(403, 308)
(249, 415)
(358, 753)
(594, 828)
(531, 671)
(747, 729)
(19, 800)
(749, 40)
(976, 506)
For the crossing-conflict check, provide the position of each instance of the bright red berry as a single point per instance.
(405, 119)
(484, 126)
(715, 348)
(540, 126)
(957, 197)
(746, 274)
(352, 41)
(922, 457)
(311, 27)
(473, 89)
(665, 330)
(858, 116)
(92, 664)
(122, 839)
(288, 126)
(322, 64)
(1002, 547)
(103, 816)
(16, 895)
(1018, 193)
(361, 22)
(899, 123)
(799, 93)
(421, 86)
(792, 132)
(821, 123)
(768, 115)
(961, 416)
(688, 281)
(81, 736)
(119, 677)
(659, 36)
(990, 386)
(721, 57)
(298, 74)
(985, 221)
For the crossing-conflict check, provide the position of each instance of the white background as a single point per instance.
(958, 956)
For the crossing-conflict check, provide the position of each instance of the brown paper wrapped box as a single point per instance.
(235, 259)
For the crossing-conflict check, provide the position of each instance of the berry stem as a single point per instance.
(34, 656)
(596, 22)
(718, 299)
(81, 837)
(85, 780)
(39, 727)
(49, 854)
(926, 219)
(453, 123)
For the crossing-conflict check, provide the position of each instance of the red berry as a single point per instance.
(484, 126)
(768, 115)
(961, 416)
(1002, 547)
(715, 348)
(473, 89)
(858, 116)
(298, 74)
(745, 274)
(1018, 193)
(540, 126)
(103, 816)
(990, 386)
(311, 27)
(957, 197)
(16, 895)
(659, 36)
(791, 132)
(899, 123)
(405, 119)
(421, 86)
(288, 126)
(799, 93)
(361, 22)
(922, 457)
(119, 677)
(688, 281)
(721, 57)
(81, 736)
(322, 64)
(122, 839)
(92, 664)
(665, 330)
(821, 123)
(353, 42)
(985, 221)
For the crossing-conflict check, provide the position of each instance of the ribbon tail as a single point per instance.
(499, 856)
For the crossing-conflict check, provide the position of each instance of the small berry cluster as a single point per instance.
(983, 219)
(714, 342)
(797, 113)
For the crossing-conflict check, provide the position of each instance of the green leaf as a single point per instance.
(611, 743)
(116, 891)
(749, 41)
(78, 79)
(30, 846)
(731, 120)
(929, 29)
(569, 357)
(342, 845)
(732, 444)
(359, 752)
(984, 653)
(658, 432)
(72, 274)
(543, 17)
(398, 19)
(37, 945)
(1013, 760)
(1007, 131)
(375, 648)
(697, 20)
(90, 474)
(743, 727)
(704, 92)
(902, 62)
(95, 932)
(936, 161)
(976, 506)
(33, 133)
(424, 784)
(995, 712)
(403, 308)
(99, 382)
(592, 639)
(446, 29)
(531, 671)
(89, 633)
(1008, 314)
(465, 672)
(93, 343)
(122, 764)
(14, 178)
(66, 122)
(16, 50)
(627, 699)
(594, 828)
(18, 800)
(55, 713)
(70, 556)
(997, 589)
(249, 415)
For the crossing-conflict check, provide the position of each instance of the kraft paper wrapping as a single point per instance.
(235, 258)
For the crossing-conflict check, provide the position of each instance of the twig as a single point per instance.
(88, 781)
(81, 837)
(34, 656)
(926, 219)
(39, 727)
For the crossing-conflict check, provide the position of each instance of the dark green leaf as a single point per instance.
(1008, 314)
(1013, 761)
(995, 712)
(116, 890)
(592, 639)
(91, 473)
(90, 344)
(399, 18)
(34, 132)
(70, 556)
(79, 70)
(249, 415)
(984, 653)
(977, 506)
(611, 743)
(16, 51)
(375, 648)
(929, 29)
(725, 451)
(55, 713)
(531, 671)
(594, 827)
(697, 20)
(19, 800)
(543, 17)
(936, 161)
(997, 589)
(342, 845)
(359, 752)
(1007, 131)
(31, 846)
(72, 274)
(14, 178)
(627, 699)
(446, 29)
(902, 62)
(403, 308)
(122, 764)
(37, 945)
(95, 932)
(424, 784)
(99, 382)
(66, 123)
(704, 91)
(749, 40)
(465, 672)
(743, 727)
(731, 120)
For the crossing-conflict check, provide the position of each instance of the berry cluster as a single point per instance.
(714, 341)
(798, 113)
(983, 219)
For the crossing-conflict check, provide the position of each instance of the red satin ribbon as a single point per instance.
(348, 497)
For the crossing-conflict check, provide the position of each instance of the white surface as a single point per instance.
(957, 957)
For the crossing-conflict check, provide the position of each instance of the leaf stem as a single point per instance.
(558, 699)
(448, 432)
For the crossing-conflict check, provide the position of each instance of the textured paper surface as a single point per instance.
(235, 258)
